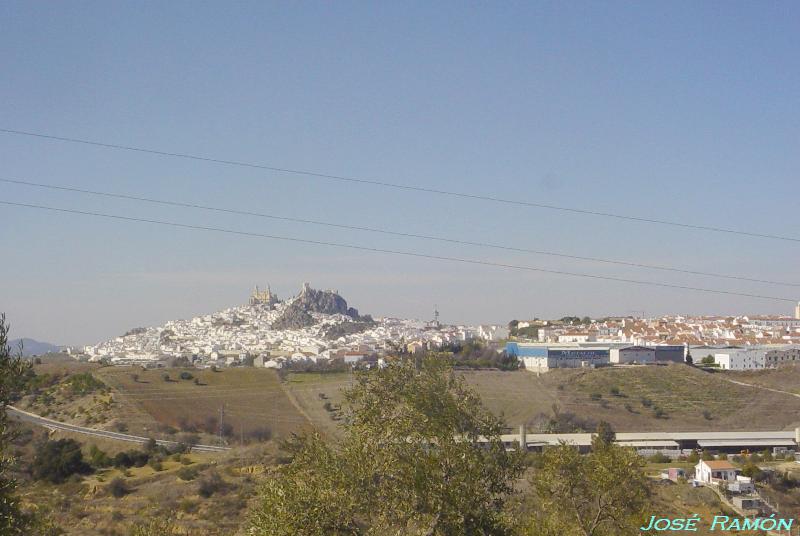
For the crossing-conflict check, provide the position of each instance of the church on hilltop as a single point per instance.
(263, 297)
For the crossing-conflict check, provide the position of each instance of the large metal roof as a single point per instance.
(774, 437)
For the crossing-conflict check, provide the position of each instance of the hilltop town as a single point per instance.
(318, 326)
(311, 326)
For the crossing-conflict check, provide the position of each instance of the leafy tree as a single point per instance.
(605, 434)
(98, 458)
(751, 470)
(55, 461)
(408, 463)
(13, 521)
(603, 493)
(708, 360)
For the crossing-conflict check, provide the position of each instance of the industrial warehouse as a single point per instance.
(671, 444)
(541, 357)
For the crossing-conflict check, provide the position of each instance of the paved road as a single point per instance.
(56, 425)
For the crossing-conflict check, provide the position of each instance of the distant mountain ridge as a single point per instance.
(31, 347)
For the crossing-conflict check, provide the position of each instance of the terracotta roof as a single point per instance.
(719, 464)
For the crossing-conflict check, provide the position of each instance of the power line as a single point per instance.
(396, 252)
(173, 203)
(396, 186)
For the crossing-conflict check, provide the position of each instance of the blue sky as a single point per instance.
(684, 111)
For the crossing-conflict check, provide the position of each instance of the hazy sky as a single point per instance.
(687, 111)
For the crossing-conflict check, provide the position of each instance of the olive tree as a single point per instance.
(419, 454)
(603, 493)
(13, 520)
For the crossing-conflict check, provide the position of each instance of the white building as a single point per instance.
(741, 359)
(633, 354)
(714, 471)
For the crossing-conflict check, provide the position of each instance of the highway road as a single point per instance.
(26, 416)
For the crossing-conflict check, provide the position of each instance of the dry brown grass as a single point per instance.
(784, 378)
(253, 399)
(682, 393)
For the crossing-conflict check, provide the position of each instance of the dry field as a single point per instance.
(628, 398)
(252, 400)
(313, 391)
(682, 393)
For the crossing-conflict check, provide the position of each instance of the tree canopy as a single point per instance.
(13, 520)
(409, 463)
(603, 493)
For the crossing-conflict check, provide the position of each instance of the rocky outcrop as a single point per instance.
(324, 301)
(297, 314)
(294, 317)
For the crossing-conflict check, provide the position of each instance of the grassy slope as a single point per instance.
(86, 508)
(785, 378)
(682, 392)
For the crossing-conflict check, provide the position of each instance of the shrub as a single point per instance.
(595, 396)
(210, 484)
(84, 383)
(659, 413)
(118, 488)
(707, 415)
(155, 464)
(98, 458)
(614, 391)
(646, 402)
(659, 457)
(165, 377)
(131, 458)
(189, 506)
(120, 427)
(55, 461)
(151, 445)
(260, 434)
(186, 375)
(187, 473)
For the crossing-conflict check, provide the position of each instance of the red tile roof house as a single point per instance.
(715, 471)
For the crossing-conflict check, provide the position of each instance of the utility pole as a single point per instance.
(221, 417)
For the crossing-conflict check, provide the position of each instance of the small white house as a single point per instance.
(714, 471)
